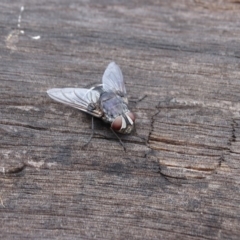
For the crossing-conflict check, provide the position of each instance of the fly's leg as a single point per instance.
(90, 138)
(119, 140)
(139, 99)
(134, 102)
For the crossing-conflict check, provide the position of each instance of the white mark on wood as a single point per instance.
(13, 37)
(26, 108)
(36, 164)
(20, 16)
(51, 164)
(36, 37)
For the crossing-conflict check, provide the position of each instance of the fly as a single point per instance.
(107, 101)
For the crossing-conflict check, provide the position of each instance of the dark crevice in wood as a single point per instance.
(230, 151)
(24, 125)
(152, 122)
(178, 143)
(200, 169)
(178, 107)
(16, 170)
(167, 177)
(138, 100)
(221, 160)
(233, 137)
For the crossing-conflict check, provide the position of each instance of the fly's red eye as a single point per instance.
(117, 123)
(132, 116)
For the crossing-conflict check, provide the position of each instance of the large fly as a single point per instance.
(107, 101)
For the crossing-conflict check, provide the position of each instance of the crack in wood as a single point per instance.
(212, 170)
(152, 122)
(16, 170)
(165, 176)
(18, 124)
(232, 139)
(183, 143)
(221, 160)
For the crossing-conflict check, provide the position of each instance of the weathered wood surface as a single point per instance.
(182, 182)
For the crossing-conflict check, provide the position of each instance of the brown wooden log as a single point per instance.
(180, 175)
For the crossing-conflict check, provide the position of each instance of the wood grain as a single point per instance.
(179, 177)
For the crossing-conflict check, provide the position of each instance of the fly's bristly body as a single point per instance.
(107, 101)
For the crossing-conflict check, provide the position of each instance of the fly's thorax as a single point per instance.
(112, 106)
(116, 112)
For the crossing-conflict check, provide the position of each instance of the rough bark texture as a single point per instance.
(180, 175)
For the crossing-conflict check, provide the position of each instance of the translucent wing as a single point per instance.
(113, 79)
(81, 98)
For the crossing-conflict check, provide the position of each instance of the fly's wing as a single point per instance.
(81, 98)
(113, 80)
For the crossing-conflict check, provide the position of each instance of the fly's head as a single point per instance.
(124, 123)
